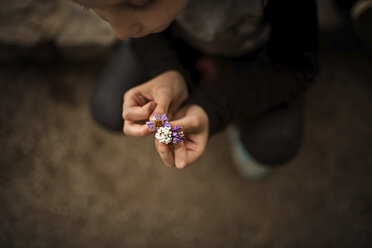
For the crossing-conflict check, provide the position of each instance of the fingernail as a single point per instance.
(181, 165)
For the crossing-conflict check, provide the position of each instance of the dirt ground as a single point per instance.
(65, 182)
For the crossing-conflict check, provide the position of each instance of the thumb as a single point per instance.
(162, 106)
(189, 124)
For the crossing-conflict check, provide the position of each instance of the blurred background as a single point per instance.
(66, 182)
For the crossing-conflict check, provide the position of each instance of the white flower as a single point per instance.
(164, 135)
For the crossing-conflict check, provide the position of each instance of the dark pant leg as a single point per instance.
(274, 137)
(121, 74)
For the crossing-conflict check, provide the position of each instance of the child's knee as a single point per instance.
(276, 149)
(106, 111)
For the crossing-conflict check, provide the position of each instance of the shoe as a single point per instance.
(247, 167)
(361, 15)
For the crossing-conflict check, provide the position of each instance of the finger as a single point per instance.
(135, 98)
(189, 124)
(133, 129)
(163, 102)
(192, 156)
(138, 113)
(180, 155)
(195, 146)
(165, 153)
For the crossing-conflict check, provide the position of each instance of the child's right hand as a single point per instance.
(195, 123)
(162, 94)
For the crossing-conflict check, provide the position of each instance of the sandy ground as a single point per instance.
(65, 182)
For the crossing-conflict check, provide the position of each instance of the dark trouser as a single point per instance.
(271, 138)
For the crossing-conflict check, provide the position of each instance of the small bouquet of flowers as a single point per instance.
(164, 132)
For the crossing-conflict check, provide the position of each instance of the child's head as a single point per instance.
(135, 18)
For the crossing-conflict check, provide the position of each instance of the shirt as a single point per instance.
(291, 62)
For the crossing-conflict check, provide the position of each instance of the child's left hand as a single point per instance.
(162, 94)
(195, 123)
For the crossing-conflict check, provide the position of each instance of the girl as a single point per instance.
(208, 63)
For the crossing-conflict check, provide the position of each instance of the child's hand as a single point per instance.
(195, 123)
(162, 94)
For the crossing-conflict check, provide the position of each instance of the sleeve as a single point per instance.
(292, 64)
(156, 53)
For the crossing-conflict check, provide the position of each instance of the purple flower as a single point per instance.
(158, 122)
(178, 135)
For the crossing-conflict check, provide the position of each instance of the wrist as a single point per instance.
(203, 117)
(180, 83)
